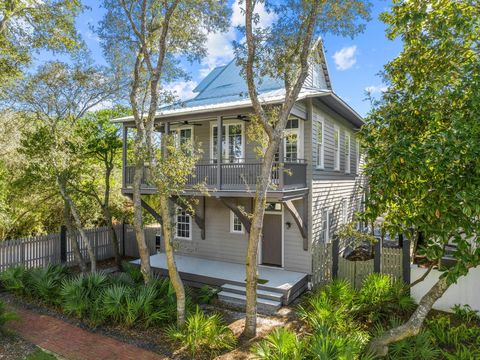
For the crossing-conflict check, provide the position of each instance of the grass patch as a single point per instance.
(39, 354)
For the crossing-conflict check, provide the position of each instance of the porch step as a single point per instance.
(263, 294)
(264, 306)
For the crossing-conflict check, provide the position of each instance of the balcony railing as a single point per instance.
(243, 174)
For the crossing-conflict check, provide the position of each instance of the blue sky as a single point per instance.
(354, 64)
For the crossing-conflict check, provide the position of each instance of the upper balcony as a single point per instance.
(241, 175)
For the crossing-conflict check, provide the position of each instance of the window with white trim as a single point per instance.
(320, 144)
(183, 224)
(325, 232)
(357, 154)
(292, 151)
(236, 226)
(336, 148)
(232, 142)
(348, 156)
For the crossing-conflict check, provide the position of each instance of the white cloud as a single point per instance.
(345, 58)
(376, 89)
(183, 89)
(219, 45)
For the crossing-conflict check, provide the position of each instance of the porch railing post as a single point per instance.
(219, 151)
(281, 159)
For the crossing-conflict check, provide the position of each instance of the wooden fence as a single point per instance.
(328, 264)
(56, 248)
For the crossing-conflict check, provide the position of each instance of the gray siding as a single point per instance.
(295, 258)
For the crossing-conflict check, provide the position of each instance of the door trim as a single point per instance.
(260, 244)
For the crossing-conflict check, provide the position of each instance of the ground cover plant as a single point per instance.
(338, 322)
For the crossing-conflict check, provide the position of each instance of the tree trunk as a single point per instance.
(251, 261)
(379, 345)
(70, 235)
(138, 214)
(78, 225)
(172, 266)
(115, 244)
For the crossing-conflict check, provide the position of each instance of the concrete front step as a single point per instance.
(263, 294)
(264, 306)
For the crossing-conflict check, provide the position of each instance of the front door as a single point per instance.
(272, 240)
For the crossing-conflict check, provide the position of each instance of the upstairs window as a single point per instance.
(183, 225)
(320, 144)
(348, 158)
(336, 148)
(292, 148)
(232, 143)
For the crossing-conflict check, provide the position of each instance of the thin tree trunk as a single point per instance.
(412, 327)
(172, 266)
(70, 235)
(251, 260)
(108, 215)
(138, 214)
(78, 225)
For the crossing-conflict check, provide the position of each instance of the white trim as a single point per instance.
(344, 210)
(336, 157)
(321, 165)
(178, 128)
(328, 211)
(226, 124)
(176, 224)
(348, 156)
(232, 228)
(300, 134)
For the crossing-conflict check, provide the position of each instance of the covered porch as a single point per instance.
(196, 271)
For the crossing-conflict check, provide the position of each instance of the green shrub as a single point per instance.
(45, 283)
(206, 294)
(5, 316)
(466, 313)
(15, 280)
(202, 336)
(419, 347)
(133, 271)
(380, 296)
(280, 344)
(81, 294)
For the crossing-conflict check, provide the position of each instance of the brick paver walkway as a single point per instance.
(74, 343)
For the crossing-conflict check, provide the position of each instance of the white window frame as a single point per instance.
(336, 149)
(177, 130)
(299, 132)
(225, 147)
(326, 219)
(321, 145)
(348, 152)
(189, 223)
(233, 216)
(357, 154)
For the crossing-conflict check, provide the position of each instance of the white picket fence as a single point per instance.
(41, 250)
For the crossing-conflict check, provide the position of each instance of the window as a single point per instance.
(344, 211)
(336, 148)
(325, 234)
(183, 225)
(292, 148)
(347, 154)
(232, 147)
(320, 142)
(183, 135)
(236, 226)
(357, 153)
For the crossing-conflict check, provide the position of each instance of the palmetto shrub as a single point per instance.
(81, 294)
(45, 283)
(280, 344)
(203, 336)
(15, 280)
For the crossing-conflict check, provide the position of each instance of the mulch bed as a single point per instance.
(13, 347)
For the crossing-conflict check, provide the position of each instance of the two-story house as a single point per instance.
(315, 182)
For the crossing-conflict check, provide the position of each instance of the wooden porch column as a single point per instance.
(219, 151)
(124, 156)
(281, 158)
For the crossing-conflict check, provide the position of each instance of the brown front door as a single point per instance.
(272, 240)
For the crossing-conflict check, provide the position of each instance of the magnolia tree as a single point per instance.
(144, 39)
(54, 99)
(422, 141)
(284, 50)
